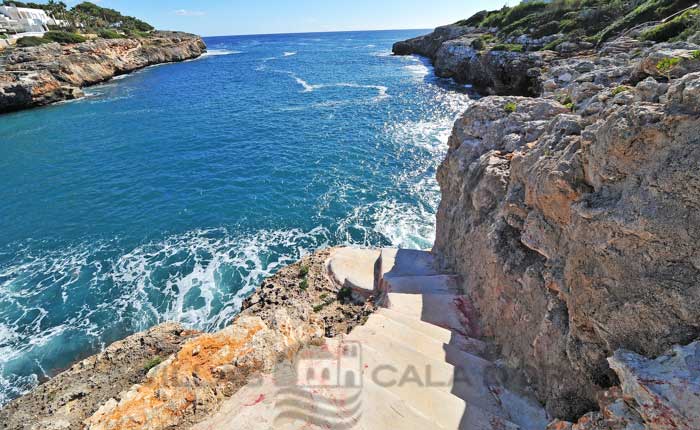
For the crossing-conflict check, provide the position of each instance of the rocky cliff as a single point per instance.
(573, 215)
(50, 73)
(457, 52)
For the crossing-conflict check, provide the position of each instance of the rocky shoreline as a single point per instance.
(122, 387)
(37, 76)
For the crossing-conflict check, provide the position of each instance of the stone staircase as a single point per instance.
(417, 362)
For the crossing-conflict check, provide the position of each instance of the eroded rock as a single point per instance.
(577, 232)
(667, 389)
(49, 73)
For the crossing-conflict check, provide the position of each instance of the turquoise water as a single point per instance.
(169, 194)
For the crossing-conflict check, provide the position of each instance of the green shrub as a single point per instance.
(551, 46)
(695, 55)
(137, 34)
(304, 284)
(474, 20)
(508, 47)
(548, 29)
(620, 89)
(3, 36)
(64, 37)
(672, 28)
(649, 10)
(303, 271)
(110, 34)
(666, 66)
(510, 107)
(29, 41)
(345, 294)
(153, 362)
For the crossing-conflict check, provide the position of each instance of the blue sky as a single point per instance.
(229, 17)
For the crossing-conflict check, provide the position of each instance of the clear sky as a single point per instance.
(233, 17)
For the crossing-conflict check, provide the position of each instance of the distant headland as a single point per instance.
(48, 52)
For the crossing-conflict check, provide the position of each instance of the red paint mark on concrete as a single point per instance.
(256, 401)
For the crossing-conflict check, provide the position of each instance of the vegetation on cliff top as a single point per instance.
(590, 21)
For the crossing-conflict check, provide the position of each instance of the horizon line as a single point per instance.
(315, 32)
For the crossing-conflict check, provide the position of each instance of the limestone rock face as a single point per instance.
(577, 233)
(72, 396)
(666, 389)
(429, 44)
(457, 53)
(45, 74)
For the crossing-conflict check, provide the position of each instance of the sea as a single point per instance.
(170, 193)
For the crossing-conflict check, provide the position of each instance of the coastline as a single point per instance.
(552, 195)
(43, 75)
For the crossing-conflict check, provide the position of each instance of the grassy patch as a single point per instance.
(29, 41)
(551, 46)
(64, 37)
(510, 47)
(153, 362)
(111, 34)
(621, 89)
(510, 107)
(592, 21)
(647, 11)
(695, 55)
(673, 28)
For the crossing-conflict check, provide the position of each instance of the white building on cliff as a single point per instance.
(15, 20)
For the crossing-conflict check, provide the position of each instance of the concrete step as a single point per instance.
(474, 380)
(353, 268)
(442, 408)
(435, 284)
(406, 262)
(452, 312)
(275, 402)
(433, 346)
(427, 373)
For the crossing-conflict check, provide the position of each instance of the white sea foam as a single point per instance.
(307, 86)
(382, 54)
(289, 54)
(199, 278)
(418, 69)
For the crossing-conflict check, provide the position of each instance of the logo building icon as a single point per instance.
(331, 367)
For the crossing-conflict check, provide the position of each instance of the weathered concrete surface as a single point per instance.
(49, 73)
(353, 268)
